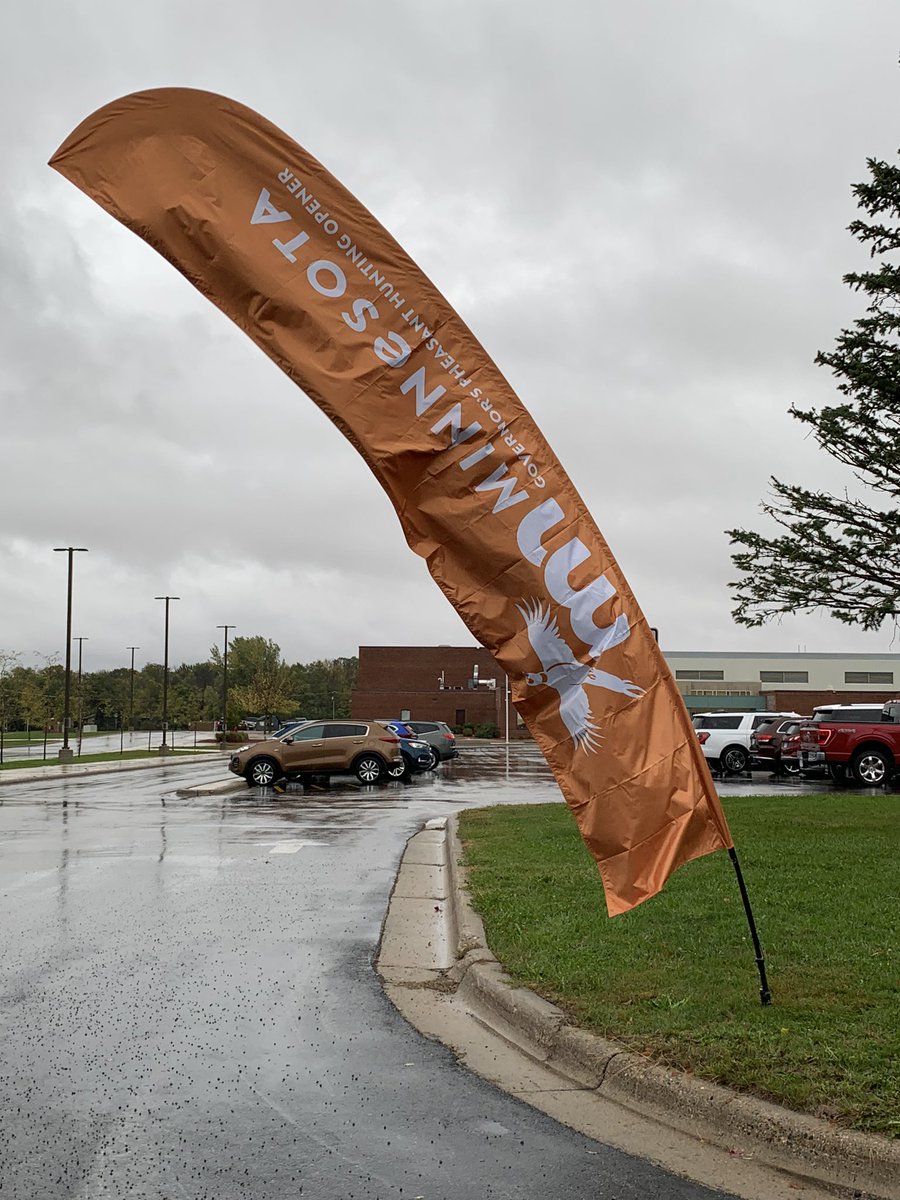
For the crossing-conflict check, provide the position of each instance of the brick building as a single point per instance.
(461, 685)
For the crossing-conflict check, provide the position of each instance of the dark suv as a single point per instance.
(767, 741)
(366, 749)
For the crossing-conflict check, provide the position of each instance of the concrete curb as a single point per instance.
(790, 1141)
(217, 787)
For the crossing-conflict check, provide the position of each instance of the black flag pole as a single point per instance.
(765, 996)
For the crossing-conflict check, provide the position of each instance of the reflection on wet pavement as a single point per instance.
(188, 1007)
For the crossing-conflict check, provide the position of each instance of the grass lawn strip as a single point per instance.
(676, 979)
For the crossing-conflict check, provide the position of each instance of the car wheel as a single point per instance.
(734, 760)
(870, 768)
(397, 770)
(838, 772)
(433, 759)
(791, 766)
(369, 768)
(263, 772)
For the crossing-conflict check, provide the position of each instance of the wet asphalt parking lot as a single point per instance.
(188, 1005)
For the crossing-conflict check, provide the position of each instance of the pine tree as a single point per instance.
(841, 554)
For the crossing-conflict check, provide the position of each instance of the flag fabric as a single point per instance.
(281, 247)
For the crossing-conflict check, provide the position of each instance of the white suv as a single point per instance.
(725, 736)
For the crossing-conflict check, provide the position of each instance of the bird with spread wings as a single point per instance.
(569, 677)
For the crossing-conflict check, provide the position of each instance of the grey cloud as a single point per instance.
(638, 209)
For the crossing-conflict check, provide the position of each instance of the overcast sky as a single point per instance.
(640, 210)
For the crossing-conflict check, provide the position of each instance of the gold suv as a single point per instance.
(365, 749)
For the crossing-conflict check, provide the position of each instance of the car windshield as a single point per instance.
(287, 728)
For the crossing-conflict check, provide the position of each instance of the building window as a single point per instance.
(868, 677)
(699, 675)
(784, 677)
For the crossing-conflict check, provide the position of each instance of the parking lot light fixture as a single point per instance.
(131, 691)
(65, 753)
(164, 748)
(80, 641)
(225, 684)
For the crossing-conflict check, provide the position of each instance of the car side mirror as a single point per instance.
(288, 741)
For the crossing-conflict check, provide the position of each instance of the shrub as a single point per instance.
(486, 731)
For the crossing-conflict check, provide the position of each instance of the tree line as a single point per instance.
(260, 684)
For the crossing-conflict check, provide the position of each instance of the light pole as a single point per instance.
(79, 640)
(225, 684)
(131, 692)
(164, 749)
(65, 754)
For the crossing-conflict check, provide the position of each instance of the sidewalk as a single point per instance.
(439, 971)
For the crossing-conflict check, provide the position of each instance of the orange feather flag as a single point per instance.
(281, 247)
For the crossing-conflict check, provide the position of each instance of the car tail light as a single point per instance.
(703, 736)
(815, 737)
(449, 737)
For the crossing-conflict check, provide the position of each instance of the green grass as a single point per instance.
(23, 764)
(676, 977)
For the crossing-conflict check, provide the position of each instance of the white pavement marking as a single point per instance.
(289, 847)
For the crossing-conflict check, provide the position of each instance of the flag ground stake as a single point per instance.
(765, 996)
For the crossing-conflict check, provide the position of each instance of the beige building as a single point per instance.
(711, 680)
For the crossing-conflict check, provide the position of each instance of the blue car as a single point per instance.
(416, 754)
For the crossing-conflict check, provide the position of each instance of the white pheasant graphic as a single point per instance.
(567, 675)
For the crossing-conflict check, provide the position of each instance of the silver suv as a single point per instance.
(439, 736)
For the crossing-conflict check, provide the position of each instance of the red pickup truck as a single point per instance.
(862, 739)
